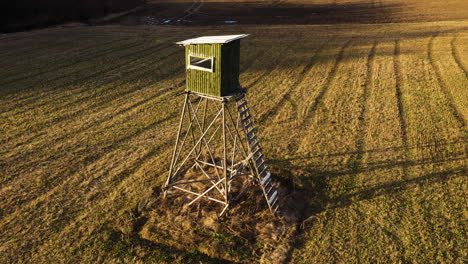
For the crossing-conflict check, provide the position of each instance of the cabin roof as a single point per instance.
(212, 39)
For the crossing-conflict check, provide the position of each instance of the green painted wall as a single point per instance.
(224, 80)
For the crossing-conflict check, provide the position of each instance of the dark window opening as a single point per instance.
(200, 63)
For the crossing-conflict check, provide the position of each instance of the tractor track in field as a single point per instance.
(137, 68)
(61, 177)
(66, 116)
(443, 86)
(87, 58)
(77, 215)
(398, 242)
(326, 86)
(286, 97)
(88, 126)
(43, 48)
(400, 106)
(84, 128)
(133, 90)
(268, 72)
(73, 211)
(83, 80)
(77, 50)
(28, 102)
(98, 104)
(456, 56)
(362, 126)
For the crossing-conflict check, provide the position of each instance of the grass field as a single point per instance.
(367, 120)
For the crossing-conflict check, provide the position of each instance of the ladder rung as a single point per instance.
(257, 152)
(245, 112)
(276, 207)
(270, 189)
(252, 139)
(248, 125)
(266, 178)
(246, 119)
(240, 97)
(261, 172)
(254, 146)
(242, 105)
(273, 204)
(259, 157)
(268, 183)
(273, 197)
(261, 164)
(251, 132)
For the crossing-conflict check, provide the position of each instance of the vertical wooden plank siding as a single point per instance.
(224, 80)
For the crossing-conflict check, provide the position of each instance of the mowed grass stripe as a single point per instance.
(430, 118)
(433, 161)
(269, 85)
(69, 100)
(335, 128)
(35, 41)
(149, 72)
(51, 112)
(298, 81)
(59, 194)
(442, 84)
(103, 124)
(99, 142)
(101, 109)
(292, 115)
(54, 46)
(106, 105)
(452, 78)
(35, 65)
(90, 72)
(457, 57)
(401, 110)
(81, 59)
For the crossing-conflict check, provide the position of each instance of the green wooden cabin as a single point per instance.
(212, 64)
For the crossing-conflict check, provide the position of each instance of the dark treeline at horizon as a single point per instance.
(27, 14)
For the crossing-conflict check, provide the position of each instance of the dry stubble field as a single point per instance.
(369, 120)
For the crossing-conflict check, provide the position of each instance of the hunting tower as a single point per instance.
(217, 142)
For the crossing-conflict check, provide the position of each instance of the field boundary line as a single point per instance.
(443, 86)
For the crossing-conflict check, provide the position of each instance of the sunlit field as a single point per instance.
(365, 117)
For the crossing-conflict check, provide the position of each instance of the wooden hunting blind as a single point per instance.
(212, 64)
(217, 142)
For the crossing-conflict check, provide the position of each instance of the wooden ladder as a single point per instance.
(263, 172)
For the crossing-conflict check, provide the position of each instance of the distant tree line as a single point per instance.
(26, 14)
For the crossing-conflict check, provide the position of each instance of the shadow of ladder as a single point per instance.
(261, 170)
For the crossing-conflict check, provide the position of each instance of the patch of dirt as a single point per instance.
(247, 233)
